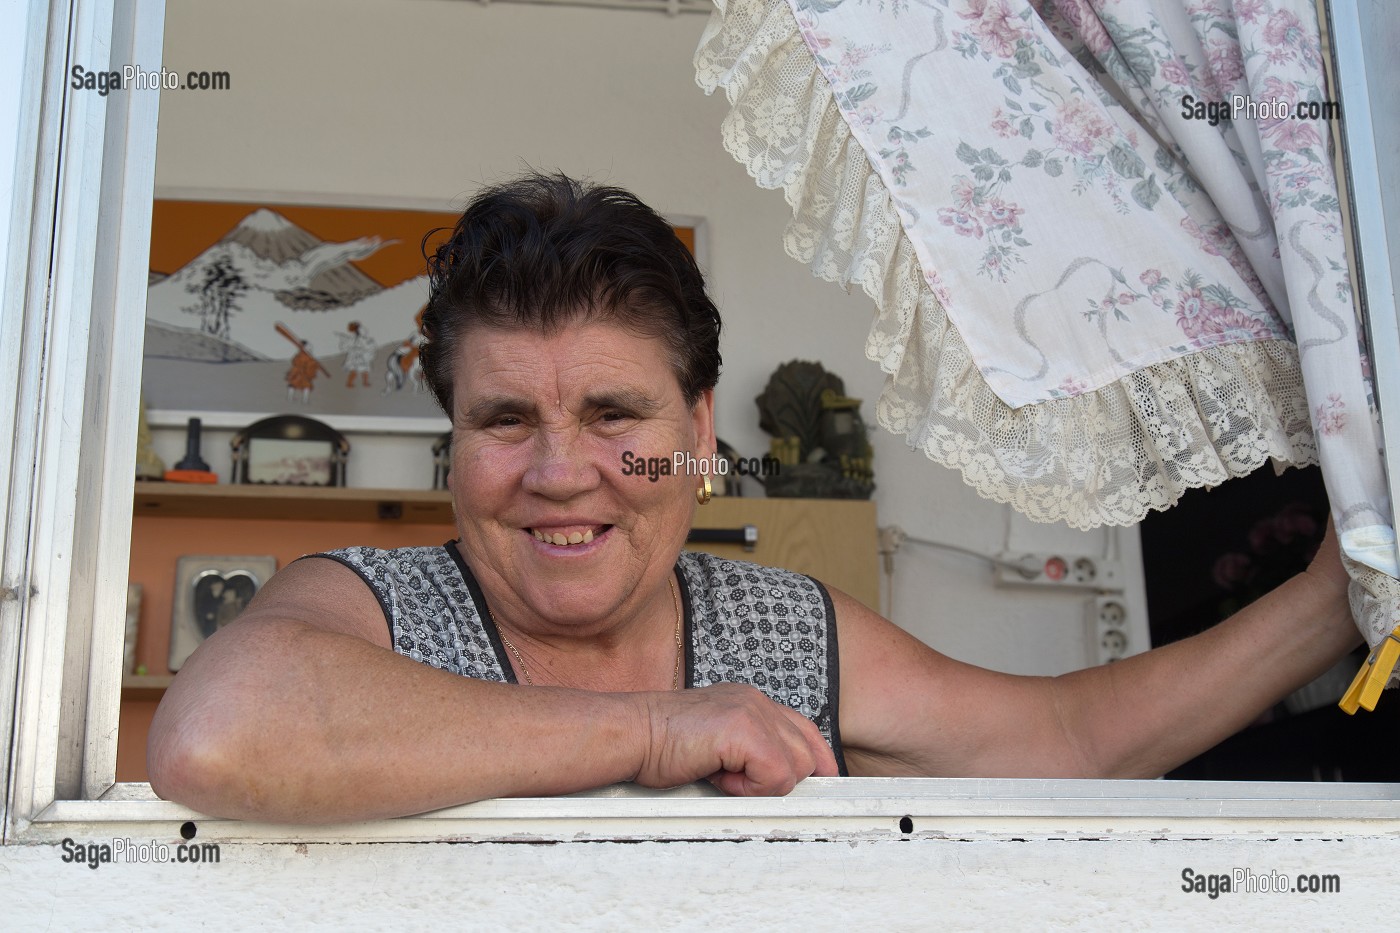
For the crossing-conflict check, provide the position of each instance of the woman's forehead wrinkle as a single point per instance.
(593, 383)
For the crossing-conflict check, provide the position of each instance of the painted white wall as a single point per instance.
(365, 99)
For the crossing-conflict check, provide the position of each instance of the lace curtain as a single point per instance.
(1103, 238)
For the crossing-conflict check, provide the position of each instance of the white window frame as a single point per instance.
(1376, 254)
(75, 258)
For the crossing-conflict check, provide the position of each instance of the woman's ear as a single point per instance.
(703, 414)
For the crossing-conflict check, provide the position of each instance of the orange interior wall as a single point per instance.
(156, 545)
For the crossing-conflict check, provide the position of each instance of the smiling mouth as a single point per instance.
(569, 536)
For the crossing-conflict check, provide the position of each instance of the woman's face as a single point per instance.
(544, 427)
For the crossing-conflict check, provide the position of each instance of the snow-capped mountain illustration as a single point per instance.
(224, 305)
(304, 271)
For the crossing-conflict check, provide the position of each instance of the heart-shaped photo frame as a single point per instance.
(211, 590)
(218, 599)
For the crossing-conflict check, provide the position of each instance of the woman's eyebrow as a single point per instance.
(493, 406)
(633, 401)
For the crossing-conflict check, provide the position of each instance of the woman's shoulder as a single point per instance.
(722, 574)
(714, 564)
(381, 563)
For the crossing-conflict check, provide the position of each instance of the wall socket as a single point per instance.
(1063, 571)
(1108, 629)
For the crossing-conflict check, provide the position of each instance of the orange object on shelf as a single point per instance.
(191, 476)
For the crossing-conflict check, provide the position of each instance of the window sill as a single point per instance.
(819, 809)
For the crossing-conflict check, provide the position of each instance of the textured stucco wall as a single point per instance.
(1126, 882)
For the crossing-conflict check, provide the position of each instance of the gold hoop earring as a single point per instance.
(702, 495)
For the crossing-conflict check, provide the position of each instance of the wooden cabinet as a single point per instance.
(834, 541)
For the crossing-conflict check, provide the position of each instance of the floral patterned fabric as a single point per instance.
(1094, 276)
(1032, 136)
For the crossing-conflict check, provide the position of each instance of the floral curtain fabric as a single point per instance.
(1103, 237)
(1032, 133)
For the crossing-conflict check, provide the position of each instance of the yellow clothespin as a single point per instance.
(1366, 687)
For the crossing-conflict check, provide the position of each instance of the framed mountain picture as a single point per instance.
(263, 308)
(256, 309)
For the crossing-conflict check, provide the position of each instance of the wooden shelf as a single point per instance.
(145, 687)
(295, 503)
(832, 539)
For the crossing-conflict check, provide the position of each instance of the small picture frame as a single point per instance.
(210, 592)
(286, 462)
(289, 450)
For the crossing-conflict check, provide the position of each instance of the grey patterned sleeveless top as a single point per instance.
(744, 623)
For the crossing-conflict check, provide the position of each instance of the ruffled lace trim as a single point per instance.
(1374, 599)
(1105, 457)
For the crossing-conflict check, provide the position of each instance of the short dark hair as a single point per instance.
(541, 250)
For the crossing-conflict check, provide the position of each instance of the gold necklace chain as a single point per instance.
(680, 652)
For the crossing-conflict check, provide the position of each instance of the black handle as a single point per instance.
(747, 536)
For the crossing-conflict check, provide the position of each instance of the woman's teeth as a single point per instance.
(561, 540)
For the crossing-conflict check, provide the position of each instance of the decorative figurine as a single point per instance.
(442, 459)
(133, 626)
(844, 437)
(148, 465)
(819, 436)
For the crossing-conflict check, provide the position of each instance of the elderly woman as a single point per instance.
(565, 641)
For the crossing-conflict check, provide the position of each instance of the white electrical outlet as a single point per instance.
(1109, 639)
(1065, 571)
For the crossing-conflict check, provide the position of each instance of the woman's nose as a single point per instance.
(560, 467)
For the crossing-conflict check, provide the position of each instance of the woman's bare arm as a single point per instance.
(300, 712)
(907, 709)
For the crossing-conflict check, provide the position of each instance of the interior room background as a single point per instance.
(376, 104)
(416, 104)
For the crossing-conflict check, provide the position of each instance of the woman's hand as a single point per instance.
(731, 735)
